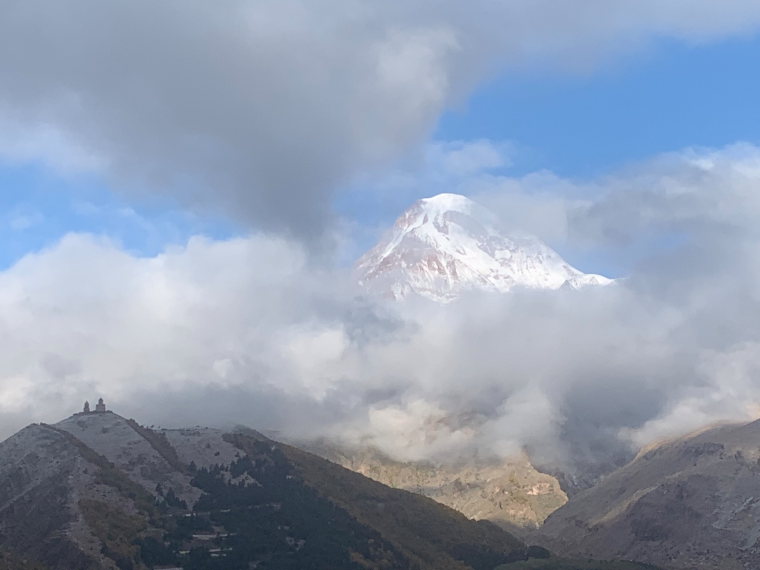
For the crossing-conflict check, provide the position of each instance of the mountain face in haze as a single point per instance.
(510, 492)
(446, 245)
(690, 503)
(97, 491)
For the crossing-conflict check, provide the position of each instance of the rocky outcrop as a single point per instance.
(508, 492)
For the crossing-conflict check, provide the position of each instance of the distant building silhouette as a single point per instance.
(100, 407)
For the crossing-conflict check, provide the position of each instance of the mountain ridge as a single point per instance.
(93, 492)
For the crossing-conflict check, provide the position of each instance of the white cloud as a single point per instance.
(250, 330)
(261, 111)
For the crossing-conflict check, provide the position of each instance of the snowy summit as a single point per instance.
(448, 244)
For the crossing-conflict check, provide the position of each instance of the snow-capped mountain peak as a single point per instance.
(448, 244)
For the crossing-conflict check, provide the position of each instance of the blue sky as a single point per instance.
(669, 97)
(578, 125)
(40, 205)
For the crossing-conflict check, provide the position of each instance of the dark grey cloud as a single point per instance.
(260, 109)
(255, 109)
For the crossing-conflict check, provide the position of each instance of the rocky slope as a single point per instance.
(689, 503)
(447, 245)
(510, 493)
(97, 491)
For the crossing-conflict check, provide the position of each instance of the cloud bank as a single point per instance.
(262, 109)
(247, 330)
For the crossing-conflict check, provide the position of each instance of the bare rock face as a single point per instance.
(510, 493)
(446, 245)
(690, 503)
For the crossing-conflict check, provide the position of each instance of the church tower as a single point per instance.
(86, 409)
(100, 407)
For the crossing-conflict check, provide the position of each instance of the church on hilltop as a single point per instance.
(100, 407)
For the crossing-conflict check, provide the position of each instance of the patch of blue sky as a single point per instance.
(39, 206)
(670, 97)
